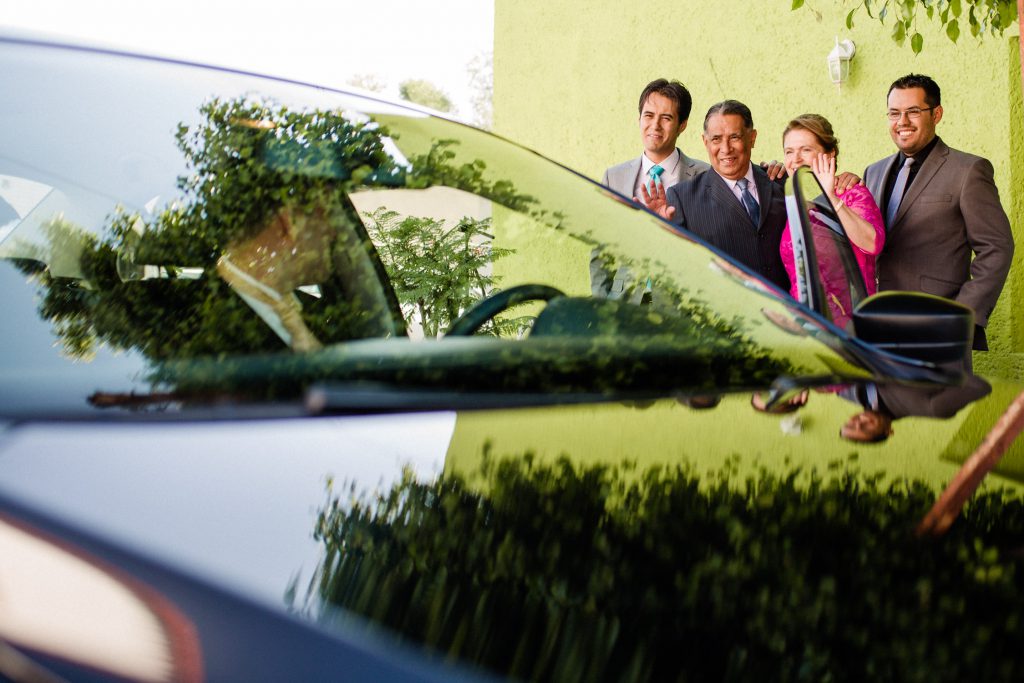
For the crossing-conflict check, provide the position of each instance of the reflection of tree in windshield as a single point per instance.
(264, 207)
(438, 167)
(437, 271)
(265, 252)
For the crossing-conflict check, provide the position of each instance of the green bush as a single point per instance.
(562, 573)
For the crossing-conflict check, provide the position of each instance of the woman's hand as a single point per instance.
(824, 168)
(858, 229)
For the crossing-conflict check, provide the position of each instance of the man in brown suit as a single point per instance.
(941, 208)
(949, 212)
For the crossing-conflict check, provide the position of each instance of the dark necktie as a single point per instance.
(749, 203)
(897, 192)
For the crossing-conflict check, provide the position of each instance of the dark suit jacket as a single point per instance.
(707, 207)
(950, 213)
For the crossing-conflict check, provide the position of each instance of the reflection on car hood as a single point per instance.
(232, 502)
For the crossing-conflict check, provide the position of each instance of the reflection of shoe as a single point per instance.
(792, 405)
(703, 402)
(869, 426)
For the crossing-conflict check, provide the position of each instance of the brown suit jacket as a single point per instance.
(950, 213)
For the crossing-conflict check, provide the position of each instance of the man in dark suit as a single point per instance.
(736, 208)
(941, 208)
(664, 112)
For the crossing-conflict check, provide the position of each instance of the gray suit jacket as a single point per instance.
(707, 207)
(950, 213)
(622, 178)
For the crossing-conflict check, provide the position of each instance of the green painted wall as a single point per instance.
(568, 75)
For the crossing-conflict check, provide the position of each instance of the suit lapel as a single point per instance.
(686, 165)
(877, 186)
(632, 176)
(931, 166)
(719, 194)
(765, 190)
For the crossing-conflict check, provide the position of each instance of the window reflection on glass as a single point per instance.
(301, 221)
(837, 271)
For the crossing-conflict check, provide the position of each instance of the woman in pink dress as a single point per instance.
(809, 141)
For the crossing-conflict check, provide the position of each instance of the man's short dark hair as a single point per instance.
(673, 90)
(932, 95)
(728, 107)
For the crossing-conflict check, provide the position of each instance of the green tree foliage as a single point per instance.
(247, 162)
(438, 271)
(570, 573)
(979, 17)
(426, 93)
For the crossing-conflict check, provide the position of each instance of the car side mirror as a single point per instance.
(915, 325)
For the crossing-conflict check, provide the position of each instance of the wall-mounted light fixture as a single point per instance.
(839, 61)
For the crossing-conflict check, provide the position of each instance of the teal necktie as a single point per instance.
(655, 174)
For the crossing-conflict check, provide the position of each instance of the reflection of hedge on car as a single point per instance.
(563, 573)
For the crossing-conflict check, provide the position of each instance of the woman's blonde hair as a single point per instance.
(819, 127)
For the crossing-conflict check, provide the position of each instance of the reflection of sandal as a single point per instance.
(869, 426)
(703, 402)
(792, 405)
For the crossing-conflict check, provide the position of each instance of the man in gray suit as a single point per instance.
(941, 208)
(945, 212)
(664, 111)
(736, 207)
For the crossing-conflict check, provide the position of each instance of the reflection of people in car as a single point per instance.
(291, 250)
(809, 141)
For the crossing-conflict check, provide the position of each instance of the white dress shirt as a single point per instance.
(673, 165)
(751, 186)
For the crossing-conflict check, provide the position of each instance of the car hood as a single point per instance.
(235, 504)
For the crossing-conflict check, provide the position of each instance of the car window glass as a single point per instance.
(839, 286)
(217, 234)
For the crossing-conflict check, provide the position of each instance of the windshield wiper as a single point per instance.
(364, 397)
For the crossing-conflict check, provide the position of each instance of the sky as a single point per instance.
(323, 41)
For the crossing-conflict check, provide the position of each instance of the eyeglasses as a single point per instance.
(914, 113)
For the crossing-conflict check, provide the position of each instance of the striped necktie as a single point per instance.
(749, 203)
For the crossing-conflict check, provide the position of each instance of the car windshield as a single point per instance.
(173, 235)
